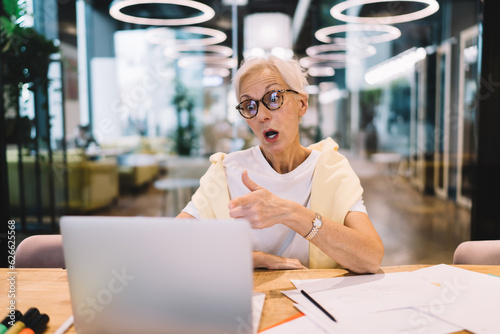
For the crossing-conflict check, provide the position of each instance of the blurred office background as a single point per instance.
(113, 107)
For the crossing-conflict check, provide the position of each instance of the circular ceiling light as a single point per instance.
(309, 62)
(324, 51)
(214, 71)
(388, 33)
(321, 71)
(116, 7)
(215, 36)
(392, 16)
(179, 51)
(211, 61)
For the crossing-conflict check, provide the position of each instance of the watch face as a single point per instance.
(318, 222)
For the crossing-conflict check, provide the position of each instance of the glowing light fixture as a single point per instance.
(331, 94)
(211, 61)
(321, 71)
(324, 51)
(395, 66)
(180, 51)
(312, 89)
(235, 2)
(214, 57)
(199, 53)
(116, 7)
(214, 71)
(268, 33)
(388, 33)
(163, 36)
(390, 18)
(309, 62)
(212, 80)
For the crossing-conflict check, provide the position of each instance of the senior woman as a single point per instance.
(304, 204)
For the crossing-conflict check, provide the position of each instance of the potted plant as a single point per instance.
(186, 133)
(25, 60)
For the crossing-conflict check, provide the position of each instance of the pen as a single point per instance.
(9, 321)
(317, 305)
(31, 314)
(37, 325)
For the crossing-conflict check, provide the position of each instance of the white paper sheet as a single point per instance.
(399, 321)
(468, 299)
(258, 299)
(437, 299)
(364, 294)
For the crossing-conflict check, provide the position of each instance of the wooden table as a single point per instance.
(47, 289)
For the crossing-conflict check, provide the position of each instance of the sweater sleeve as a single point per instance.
(335, 190)
(212, 197)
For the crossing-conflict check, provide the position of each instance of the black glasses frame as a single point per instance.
(240, 108)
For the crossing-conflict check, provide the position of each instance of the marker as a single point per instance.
(21, 323)
(37, 325)
(317, 305)
(11, 318)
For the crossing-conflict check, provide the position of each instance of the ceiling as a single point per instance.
(223, 17)
(315, 16)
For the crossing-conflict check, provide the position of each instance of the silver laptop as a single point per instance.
(158, 275)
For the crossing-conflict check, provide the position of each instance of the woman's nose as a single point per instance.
(263, 114)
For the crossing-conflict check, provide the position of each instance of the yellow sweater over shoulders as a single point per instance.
(335, 189)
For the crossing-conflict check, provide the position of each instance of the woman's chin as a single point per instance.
(273, 148)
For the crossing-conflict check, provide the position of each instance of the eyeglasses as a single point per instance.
(272, 100)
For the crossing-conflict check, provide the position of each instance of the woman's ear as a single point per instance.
(302, 105)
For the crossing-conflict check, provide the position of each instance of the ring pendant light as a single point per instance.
(212, 61)
(215, 36)
(324, 51)
(215, 57)
(181, 51)
(309, 62)
(321, 71)
(216, 71)
(388, 33)
(116, 7)
(337, 12)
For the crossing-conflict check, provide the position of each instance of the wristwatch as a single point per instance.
(317, 223)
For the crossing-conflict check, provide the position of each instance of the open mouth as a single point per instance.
(271, 134)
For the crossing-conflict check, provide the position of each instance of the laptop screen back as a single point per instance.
(158, 275)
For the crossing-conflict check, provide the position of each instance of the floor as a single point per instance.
(415, 228)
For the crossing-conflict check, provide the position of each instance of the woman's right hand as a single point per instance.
(269, 261)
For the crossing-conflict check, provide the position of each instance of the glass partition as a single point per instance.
(467, 107)
(442, 130)
(417, 127)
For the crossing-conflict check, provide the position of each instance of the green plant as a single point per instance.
(25, 54)
(186, 133)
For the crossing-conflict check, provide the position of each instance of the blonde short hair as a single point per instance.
(289, 69)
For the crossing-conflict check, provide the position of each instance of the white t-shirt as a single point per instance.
(294, 186)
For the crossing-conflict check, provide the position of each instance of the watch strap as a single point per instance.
(315, 228)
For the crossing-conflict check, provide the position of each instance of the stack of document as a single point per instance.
(438, 299)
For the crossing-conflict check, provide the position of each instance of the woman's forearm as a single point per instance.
(355, 244)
